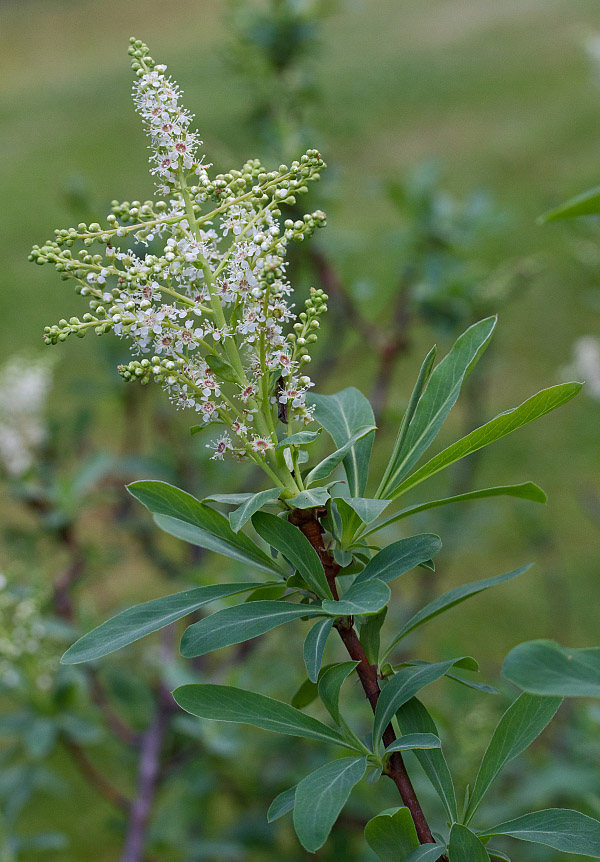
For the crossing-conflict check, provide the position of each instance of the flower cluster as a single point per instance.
(197, 279)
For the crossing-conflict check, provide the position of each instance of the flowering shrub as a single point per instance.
(213, 311)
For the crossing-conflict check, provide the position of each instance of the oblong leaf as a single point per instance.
(366, 598)
(321, 796)
(410, 741)
(314, 646)
(465, 846)
(181, 515)
(137, 622)
(326, 467)
(426, 853)
(226, 703)
(449, 600)
(545, 667)
(401, 688)
(538, 405)
(400, 557)
(330, 685)
(524, 491)
(522, 722)
(587, 203)
(368, 509)
(391, 835)
(282, 803)
(301, 438)
(243, 513)
(438, 399)
(309, 499)
(413, 717)
(295, 547)
(341, 415)
(559, 828)
(238, 624)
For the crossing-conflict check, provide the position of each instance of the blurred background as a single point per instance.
(448, 127)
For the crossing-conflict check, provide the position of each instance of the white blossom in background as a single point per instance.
(24, 387)
(591, 46)
(207, 306)
(586, 365)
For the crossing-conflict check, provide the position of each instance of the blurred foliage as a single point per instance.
(383, 88)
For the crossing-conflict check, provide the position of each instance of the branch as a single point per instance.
(308, 523)
(95, 778)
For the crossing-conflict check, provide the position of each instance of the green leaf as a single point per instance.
(228, 499)
(305, 694)
(538, 405)
(302, 438)
(314, 646)
(141, 620)
(368, 509)
(321, 796)
(426, 853)
(525, 491)
(370, 635)
(366, 598)
(243, 513)
(240, 623)
(465, 846)
(414, 740)
(401, 688)
(267, 592)
(420, 385)
(295, 547)
(342, 415)
(309, 499)
(328, 465)
(222, 368)
(391, 835)
(437, 400)
(545, 667)
(282, 803)
(587, 203)
(559, 828)
(226, 703)
(413, 717)
(330, 684)
(449, 600)
(400, 557)
(522, 722)
(183, 516)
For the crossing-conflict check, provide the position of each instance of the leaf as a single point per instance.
(401, 688)
(282, 803)
(342, 415)
(391, 835)
(370, 635)
(522, 722)
(413, 717)
(559, 828)
(367, 598)
(222, 368)
(309, 499)
(314, 646)
(330, 684)
(183, 516)
(400, 557)
(449, 600)
(305, 694)
(426, 853)
(243, 513)
(414, 740)
(464, 846)
(141, 620)
(302, 438)
(422, 380)
(240, 623)
(538, 405)
(525, 491)
(328, 465)
(295, 547)
(368, 509)
(586, 203)
(545, 667)
(226, 703)
(321, 796)
(437, 400)
(228, 499)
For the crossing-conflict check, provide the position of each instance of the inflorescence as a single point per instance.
(206, 305)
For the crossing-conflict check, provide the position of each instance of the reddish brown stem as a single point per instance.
(307, 521)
